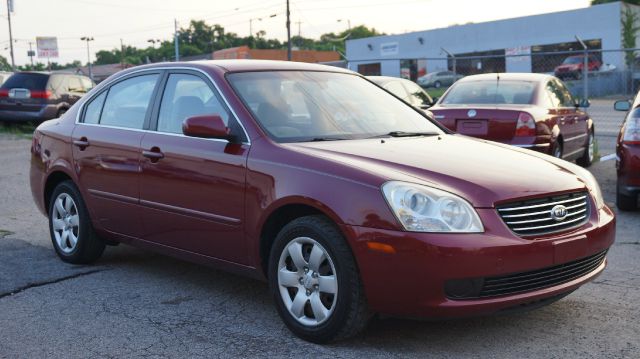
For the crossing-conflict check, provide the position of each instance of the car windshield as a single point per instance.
(299, 106)
(30, 81)
(572, 61)
(491, 92)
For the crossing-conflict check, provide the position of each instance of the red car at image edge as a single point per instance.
(347, 200)
(628, 152)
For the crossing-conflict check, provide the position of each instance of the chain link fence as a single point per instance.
(587, 73)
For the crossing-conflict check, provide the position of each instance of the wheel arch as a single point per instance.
(54, 178)
(282, 213)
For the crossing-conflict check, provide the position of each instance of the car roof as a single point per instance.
(513, 76)
(246, 65)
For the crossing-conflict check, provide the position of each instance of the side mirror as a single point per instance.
(622, 106)
(584, 103)
(207, 126)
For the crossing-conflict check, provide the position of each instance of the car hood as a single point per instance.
(483, 172)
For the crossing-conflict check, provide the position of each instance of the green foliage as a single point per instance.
(39, 66)
(201, 38)
(629, 23)
(4, 64)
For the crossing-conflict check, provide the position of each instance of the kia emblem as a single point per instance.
(559, 212)
(471, 113)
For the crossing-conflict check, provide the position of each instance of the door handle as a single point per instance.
(154, 154)
(82, 143)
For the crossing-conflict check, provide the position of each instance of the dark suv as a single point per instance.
(40, 96)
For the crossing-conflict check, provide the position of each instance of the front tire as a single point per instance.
(315, 282)
(624, 202)
(437, 84)
(70, 227)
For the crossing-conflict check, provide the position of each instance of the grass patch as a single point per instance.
(22, 130)
(434, 92)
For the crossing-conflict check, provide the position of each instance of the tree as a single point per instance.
(4, 64)
(629, 25)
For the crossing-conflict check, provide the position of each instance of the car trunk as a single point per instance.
(25, 92)
(491, 124)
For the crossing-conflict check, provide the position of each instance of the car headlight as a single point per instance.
(592, 185)
(425, 209)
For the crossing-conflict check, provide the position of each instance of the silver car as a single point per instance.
(438, 79)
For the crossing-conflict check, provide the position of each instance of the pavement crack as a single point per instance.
(53, 281)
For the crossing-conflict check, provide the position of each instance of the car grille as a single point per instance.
(536, 216)
(524, 281)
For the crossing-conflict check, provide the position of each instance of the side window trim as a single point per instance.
(161, 76)
(153, 125)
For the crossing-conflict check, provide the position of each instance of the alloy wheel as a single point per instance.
(307, 281)
(65, 222)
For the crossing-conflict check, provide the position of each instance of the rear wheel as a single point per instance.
(437, 84)
(589, 152)
(624, 202)
(315, 283)
(557, 150)
(71, 231)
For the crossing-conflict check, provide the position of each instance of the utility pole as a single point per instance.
(288, 32)
(31, 53)
(9, 10)
(175, 39)
(87, 39)
(121, 54)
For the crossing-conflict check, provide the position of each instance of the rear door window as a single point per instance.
(127, 102)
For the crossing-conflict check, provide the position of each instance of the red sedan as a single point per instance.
(628, 151)
(531, 111)
(346, 199)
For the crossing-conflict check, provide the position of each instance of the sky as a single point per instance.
(137, 21)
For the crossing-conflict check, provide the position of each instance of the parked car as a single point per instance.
(4, 76)
(40, 96)
(406, 90)
(533, 111)
(438, 79)
(572, 67)
(346, 199)
(628, 152)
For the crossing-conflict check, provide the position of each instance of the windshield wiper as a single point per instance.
(406, 134)
(321, 139)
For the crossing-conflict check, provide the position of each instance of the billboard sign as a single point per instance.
(47, 47)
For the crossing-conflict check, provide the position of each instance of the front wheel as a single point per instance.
(71, 231)
(315, 282)
(437, 84)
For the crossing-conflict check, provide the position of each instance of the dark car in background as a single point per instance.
(572, 67)
(347, 200)
(40, 96)
(533, 111)
(405, 89)
(438, 79)
(628, 152)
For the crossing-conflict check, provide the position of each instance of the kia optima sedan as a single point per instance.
(533, 111)
(347, 200)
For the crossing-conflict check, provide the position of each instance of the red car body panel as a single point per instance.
(498, 122)
(628, 162)
(210, 201)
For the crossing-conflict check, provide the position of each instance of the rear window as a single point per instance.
(27, 81)
(491, 92)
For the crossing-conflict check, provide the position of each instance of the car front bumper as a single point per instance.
(411, 281)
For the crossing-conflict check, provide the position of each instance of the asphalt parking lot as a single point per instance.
(134, 303)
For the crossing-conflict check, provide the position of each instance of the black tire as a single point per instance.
(89, 246)
(624, 202)
(437, 84)
(587, 157)
(556, 149)
(350, 312)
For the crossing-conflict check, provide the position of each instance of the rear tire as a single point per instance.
(72, 234)
(556, 150)
(589, 152)
(324, 300)
(437, 84)
(624, 202)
